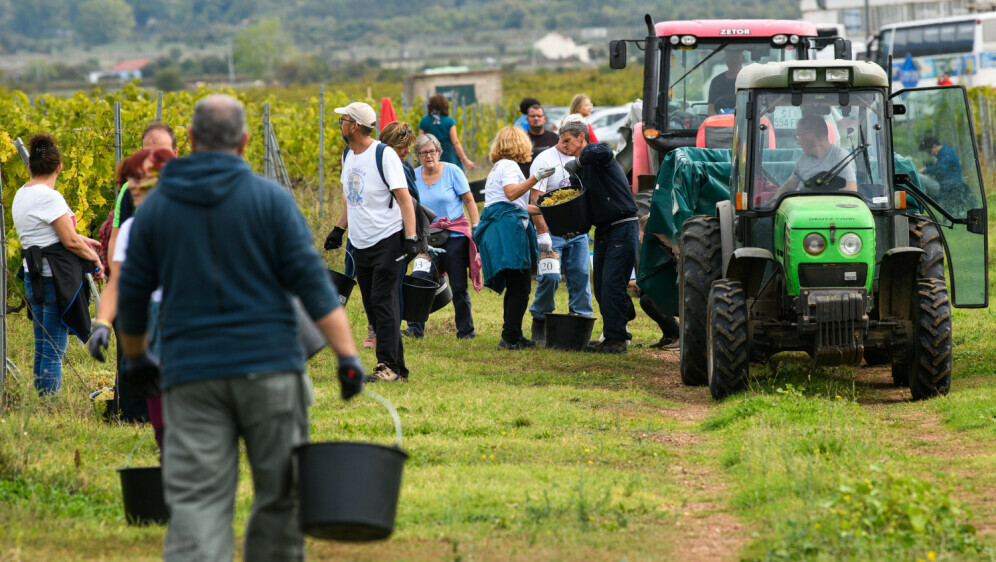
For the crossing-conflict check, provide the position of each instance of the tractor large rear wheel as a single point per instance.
(924, 235)
(699, 264)
(729, 341)
(929, 353)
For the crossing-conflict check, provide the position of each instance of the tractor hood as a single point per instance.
(816, 212)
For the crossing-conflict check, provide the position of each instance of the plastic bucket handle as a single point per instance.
(133, 449)
(394, 414)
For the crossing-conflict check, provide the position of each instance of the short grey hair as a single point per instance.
(424, 140)
(575, 129)
(219, 123)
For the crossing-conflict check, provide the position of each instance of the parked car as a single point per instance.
(605, 122)
(554, 114)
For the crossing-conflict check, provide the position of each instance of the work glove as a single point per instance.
(544, 173)
(334, 240)
(572, 166)
(410, 248)
(99, 337)
(545, 242)
(143, 372)
(351, 375)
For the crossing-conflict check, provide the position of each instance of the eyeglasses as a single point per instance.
(344, 119)
(428, 153)
(405, 129)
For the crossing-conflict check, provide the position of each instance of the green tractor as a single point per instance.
(825, 230)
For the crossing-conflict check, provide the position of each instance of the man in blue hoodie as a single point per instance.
(612, 210)
(228, 247)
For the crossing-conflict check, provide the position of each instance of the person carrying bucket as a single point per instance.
(380, 215)
(573, 253)
(233, 364)
(612, 210)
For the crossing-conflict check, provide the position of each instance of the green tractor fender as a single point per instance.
(748, 265)
(897, 281)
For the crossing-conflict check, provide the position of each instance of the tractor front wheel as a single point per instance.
(728, 343)
(699, 264)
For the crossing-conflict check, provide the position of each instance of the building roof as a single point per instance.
(132, 64)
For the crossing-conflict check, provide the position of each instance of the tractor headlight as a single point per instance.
(804, 75)
(779, 40)
(814, 243)
(674, 39)
(688, 40)
(850, 244)
(838, 75)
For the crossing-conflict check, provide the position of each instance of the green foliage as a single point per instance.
(103, 21)
(169, 79)
(260, 47)
(884, 514)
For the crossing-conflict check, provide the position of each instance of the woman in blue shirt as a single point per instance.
(443, 188)
(439, 124)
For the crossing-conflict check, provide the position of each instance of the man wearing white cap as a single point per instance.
(381, 220)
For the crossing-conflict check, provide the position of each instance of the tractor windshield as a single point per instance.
(700, 81)
(830, 142)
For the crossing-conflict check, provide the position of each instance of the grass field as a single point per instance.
(548, 455)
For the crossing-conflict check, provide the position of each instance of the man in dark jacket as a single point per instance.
(612, 211)
(228, 247)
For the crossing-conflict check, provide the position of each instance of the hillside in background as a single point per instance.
(44, 25)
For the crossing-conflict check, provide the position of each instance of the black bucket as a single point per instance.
(343, 284)
(418, 294)
(570, 332)
(106, 408)
(477, 188)
(567, 219)
(142, 492)
(349, 491)
(444, 294)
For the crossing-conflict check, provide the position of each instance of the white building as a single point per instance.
(555, 46)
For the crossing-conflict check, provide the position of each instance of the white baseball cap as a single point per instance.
(361, 112)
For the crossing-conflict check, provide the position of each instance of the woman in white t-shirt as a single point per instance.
(42, 219)
(509, 244)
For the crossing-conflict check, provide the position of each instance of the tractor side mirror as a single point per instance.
(617, 54)
(898, 109)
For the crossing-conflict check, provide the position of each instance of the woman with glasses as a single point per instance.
(439, 123)
(443, 188)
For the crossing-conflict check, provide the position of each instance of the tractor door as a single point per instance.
(937, 134)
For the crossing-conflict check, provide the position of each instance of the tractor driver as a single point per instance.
(724, 86)
(819, 156)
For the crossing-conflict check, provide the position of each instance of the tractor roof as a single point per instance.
(735, 29)
(779, 74)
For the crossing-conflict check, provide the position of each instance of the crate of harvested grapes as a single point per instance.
(565, 211)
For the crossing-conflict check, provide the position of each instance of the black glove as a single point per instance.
(572, 166)
(99, 337)
(334, 240)
(410, 248)
(142, 372)
(351, 375)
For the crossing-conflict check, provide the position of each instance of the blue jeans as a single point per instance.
(615, 257)
(51, 338)
(574, 272)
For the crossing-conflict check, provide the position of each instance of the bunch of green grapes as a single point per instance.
(559, 196)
